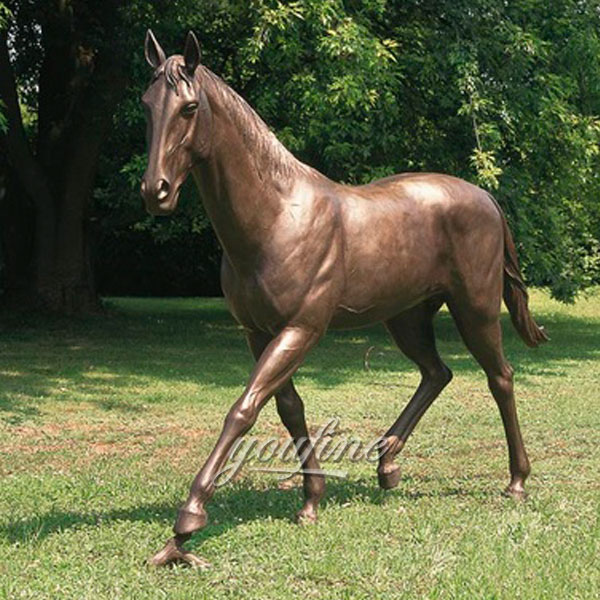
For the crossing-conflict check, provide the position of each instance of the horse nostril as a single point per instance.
(163, 189)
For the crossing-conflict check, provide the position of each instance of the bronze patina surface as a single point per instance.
(302, 253)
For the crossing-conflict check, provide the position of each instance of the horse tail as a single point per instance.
(515, 293)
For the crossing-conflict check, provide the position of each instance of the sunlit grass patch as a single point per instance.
(104, 422)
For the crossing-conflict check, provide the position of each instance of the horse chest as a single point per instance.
(292, 287)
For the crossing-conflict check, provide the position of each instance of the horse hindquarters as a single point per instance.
(474, 301)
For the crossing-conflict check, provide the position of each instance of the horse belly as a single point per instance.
(363, 314)
(393, 261)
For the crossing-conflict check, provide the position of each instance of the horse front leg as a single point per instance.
(280, 359)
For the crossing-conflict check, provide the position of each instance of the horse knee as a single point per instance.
(241, 418)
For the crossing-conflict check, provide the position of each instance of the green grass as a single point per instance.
(104, 421)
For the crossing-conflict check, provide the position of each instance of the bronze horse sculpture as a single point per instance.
(302, 254)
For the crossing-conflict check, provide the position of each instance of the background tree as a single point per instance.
(507, 96)
(63, 69)
(503, 94)
(3, 16)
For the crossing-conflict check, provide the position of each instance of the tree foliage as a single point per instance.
(3, 16)
(504, 94)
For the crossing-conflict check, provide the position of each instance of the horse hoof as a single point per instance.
(306, 517)
(168, 555)
(195, 561)
(517, 493)
(172, 554)
(389, 479)
(188, 522)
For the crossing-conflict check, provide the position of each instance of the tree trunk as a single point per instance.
(45, 210)
(65, 284)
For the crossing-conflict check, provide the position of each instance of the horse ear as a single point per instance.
(191, 54)
(155, 55)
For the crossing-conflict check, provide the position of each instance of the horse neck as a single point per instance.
(246, 178)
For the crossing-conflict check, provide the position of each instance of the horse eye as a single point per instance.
(190, 108)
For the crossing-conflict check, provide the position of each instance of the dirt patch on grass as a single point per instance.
(74, 445)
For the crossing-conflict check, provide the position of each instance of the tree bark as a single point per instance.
(55, 185)
(31, 177)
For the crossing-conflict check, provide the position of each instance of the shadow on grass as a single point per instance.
(19, 412)
(232, 507)
(178, 341)
(149, 341)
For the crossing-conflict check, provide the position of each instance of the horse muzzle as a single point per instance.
(160, 196)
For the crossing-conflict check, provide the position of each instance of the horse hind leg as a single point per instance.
(413, 333)
(482, 334)
(291, 411)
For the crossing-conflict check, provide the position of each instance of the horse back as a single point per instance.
(410, 237)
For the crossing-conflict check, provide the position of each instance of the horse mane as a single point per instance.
(271, 157)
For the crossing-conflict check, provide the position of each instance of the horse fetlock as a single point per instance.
(390, 446)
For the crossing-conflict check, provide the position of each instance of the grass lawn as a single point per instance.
(105, 420)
